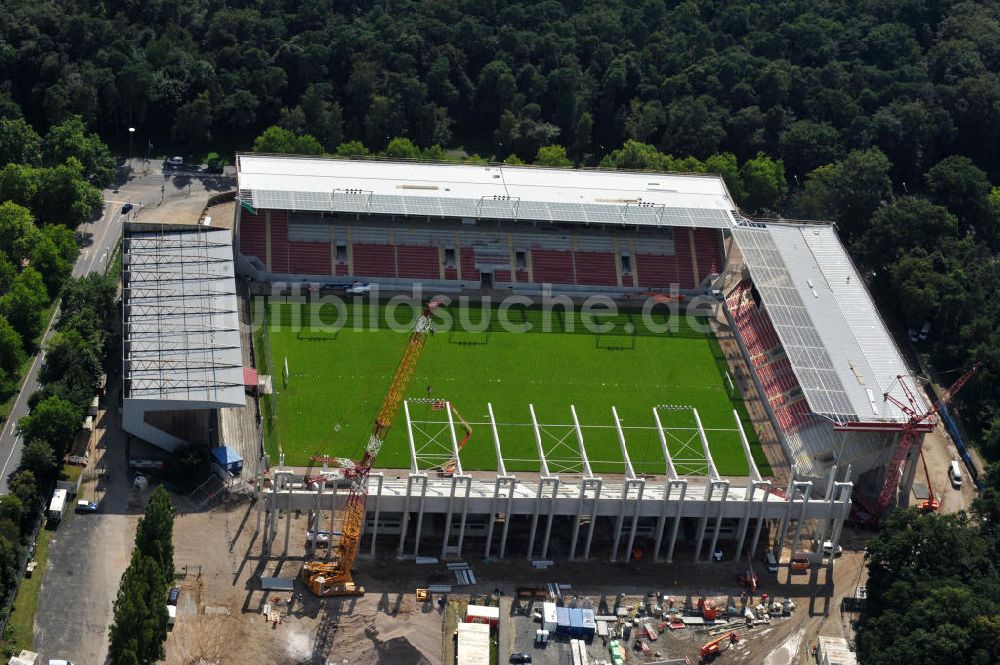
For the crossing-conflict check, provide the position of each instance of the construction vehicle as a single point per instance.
(333, 578)
(917, 424)
(930, 504)
(710, 650)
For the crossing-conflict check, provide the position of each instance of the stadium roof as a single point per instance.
(182, 336)
(838, 345)
(476, 191)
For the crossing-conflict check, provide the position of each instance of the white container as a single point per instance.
(549, 619)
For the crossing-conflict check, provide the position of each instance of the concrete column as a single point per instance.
(703, 522)
(447, 520)
(465, 513)
(806, 492)
(404, 523)
(640, 483)
(677, 522)
(745, 522)
(779, 541)
(257, 494)
(493, 518)
(552, 511)
(420, 515)
(761, 516)
(288, 517)
(593, 517)
(506, 522)
(534, 518)
(576, 519)
(661, 521)
(718, 518)
(378, 502)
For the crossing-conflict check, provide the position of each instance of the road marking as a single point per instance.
(3, 472)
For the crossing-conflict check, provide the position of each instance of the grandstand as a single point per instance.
(817, 353)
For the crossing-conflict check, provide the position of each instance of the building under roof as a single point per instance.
(837, 344)
(181, 348)
(615, 198)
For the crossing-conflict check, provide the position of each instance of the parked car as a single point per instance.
(717, 554)
(59, 661)
(173, 595)
(84, 506)
(955, 474)
(828, 549)
(174, 162)
(520, 658)
(126, 208)
(215, 167)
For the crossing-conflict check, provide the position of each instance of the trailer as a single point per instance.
(57, 505)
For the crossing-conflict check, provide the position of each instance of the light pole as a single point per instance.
(131, 132)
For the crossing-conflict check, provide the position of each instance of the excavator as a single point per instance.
(710, 650)
(930, 504)
(333, 578)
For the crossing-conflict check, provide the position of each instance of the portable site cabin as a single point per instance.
(575, 622)
(549, 619)
(228, 459)
(483, 614)
(562, 620)
(589, 626)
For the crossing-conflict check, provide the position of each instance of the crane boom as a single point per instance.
(912, 431)
(334, 578)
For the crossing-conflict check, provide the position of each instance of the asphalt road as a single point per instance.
(147, 186)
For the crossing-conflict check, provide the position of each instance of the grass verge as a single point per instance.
(20, 630)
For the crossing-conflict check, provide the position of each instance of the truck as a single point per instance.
(57, 504)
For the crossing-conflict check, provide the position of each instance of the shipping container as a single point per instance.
(549, 618)
(576, 622)
(562, 620)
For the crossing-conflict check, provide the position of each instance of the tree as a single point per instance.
(963, 188)
(193, 123)
(64, 196)
(69, 353)
(140, 614)
(54, 420)
(902, 226)
(11, 348)
(806, 145)
(71, 139)
(154, 534)
(636, 156)
(725, 165)
(352, 149)
(19, 143)
(278, 140)
(24, 486)
(37, 457)
(24, 303)
(552, 155)
(18, 184)
(18, 233)
(402, 148)
(764, 182)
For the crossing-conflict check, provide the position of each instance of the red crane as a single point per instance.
(912, 430)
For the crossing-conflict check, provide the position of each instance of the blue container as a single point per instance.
(562, 620)
(576, 622)
(589, 625)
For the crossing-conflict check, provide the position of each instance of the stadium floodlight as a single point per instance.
(131, 133)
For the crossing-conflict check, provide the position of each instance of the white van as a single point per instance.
(772, 563)
(955, 474)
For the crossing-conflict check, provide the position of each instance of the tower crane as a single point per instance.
(333, 578)
(917, 424)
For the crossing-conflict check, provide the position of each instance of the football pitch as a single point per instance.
(337, 376)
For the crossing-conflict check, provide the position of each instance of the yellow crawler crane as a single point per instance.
(333, 578)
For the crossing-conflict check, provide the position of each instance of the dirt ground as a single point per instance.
(939, 451)
(220, 622)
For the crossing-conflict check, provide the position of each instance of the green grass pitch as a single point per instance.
(337, 379)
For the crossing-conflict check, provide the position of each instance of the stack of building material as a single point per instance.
(463, 573)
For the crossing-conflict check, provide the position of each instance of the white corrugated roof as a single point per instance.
(836, 341)
(473, 644)
(478, 191)
(182, 337)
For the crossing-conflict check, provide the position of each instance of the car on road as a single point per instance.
(520, 658)
(174, 162)
(59, 661)
(173, 595)
(84, 506)
(127, 208)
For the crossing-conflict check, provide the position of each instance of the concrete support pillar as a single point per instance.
(806, 493)
(677, 522)
(506, 522)
(288, 517)
(779, 540)
(380, 479)
(599, 485)
(761, 516)
(576, 519)
(640, 484)
(420, 515)
(718, 517)
(703, 521)
(534, 518)
(745, 521)
(465, 514)
(552, 514)
(447, 519)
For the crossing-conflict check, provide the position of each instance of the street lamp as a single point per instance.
(131, 132)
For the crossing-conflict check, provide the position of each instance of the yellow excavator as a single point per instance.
(333, 578)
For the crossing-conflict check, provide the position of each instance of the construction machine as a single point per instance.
(710, 650)
(930, 504)
(333, 578)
